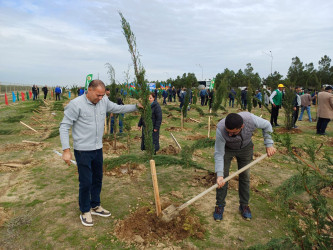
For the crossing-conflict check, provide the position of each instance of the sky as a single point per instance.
(62, 41)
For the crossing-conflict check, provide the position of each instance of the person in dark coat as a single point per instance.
(165, 96)
(156, 113)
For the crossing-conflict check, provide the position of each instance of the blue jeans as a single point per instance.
(90, 168)
(231, 101)
(307, 110)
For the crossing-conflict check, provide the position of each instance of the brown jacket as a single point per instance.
(325, 105)
(306, 100)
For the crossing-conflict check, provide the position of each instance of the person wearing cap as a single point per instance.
(306, 100)
(234, 139)
(325, 110)
(86, 114)
(276, 100)
(296, 105)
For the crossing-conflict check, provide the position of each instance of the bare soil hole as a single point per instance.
(327, 192)
(23, 147)
(128, 169)
(195, 137)
(284, 130)
(143, 226)
(173, 129)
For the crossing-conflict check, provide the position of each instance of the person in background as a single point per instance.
(169, 94)
(276, 100)
(267, 94)
(34, 92)
(45, 90)
(86, 115)
(165, 96)
(210, 98)
(244, 98)
(232, 95)
(306, 100)
(119, 116)
(156, 113)
(325, 110)
(57, 92)
(174, 93)
(296, 105)
(234, 139)
(259, 97)
(203, 94)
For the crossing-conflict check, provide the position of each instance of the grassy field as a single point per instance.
(39, 192)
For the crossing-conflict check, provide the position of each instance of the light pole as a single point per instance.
(271, 56)
(201, 71)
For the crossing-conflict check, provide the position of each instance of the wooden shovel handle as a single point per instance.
(226, 179)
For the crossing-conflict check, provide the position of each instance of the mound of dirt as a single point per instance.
(108, 147)
(195, 137)
(206, 180)
(143, 227)
(284, 130)
(169, 150)
(128, 169)
(12, 166)
(173, 129)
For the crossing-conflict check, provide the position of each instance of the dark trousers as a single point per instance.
(295, 115)
(274, 114)
(57, 96)
(244, 156)
(244, 102)
(45, 95)
(164, 100)
(90, 168)
(231, 101)
(170, 98)
(322, 125)
(202, 100)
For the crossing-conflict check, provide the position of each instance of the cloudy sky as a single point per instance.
(61, 41)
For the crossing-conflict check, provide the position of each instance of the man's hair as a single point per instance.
(152, 94)
(95, 83)
(306, 91)
(233, 121)
(328, 88)
(107, 89)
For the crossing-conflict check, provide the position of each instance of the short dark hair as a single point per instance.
(152, 94)
(107, 89)
(233, 121)
(328, 87)
(95, 83)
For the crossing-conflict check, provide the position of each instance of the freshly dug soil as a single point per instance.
(169, 150)
(195, 137)
(143, 227)
(129, 169)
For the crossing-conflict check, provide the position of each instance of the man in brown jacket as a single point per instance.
(325, 109)
(306, 104)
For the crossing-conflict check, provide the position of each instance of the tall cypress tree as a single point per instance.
(141, 85)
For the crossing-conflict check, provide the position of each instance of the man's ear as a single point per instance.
(242, 126)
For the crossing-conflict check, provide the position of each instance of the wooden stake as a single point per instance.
(28, 126)
(210, 111)
(176, 141)
(155, 185)
(36, 120)
(194, 120)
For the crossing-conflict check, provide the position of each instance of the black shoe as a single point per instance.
(277, 125)
(323, 133)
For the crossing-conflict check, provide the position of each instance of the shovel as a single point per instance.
(172, 211)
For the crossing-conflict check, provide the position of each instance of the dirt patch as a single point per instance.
(327, 192)
(195, 137)
(108, 147)
(330, 142)
(4, 216)
(207, 180)
(128, 169)
(23, 147)
(12, 166)
(173, 129)
(291, 131)
(169, 150)
(143, 227)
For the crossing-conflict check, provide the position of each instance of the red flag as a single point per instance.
(22, 95)
(30, 94)
(52, 93)
(6, 99)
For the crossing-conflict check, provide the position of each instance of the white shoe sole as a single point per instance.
(102, 215)
(84, 223)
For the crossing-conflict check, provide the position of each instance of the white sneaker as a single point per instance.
(100, 211)
(86, 219)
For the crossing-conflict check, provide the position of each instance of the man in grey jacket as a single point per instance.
(86, 115)
(234, 139)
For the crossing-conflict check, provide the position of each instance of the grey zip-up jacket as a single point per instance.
(251, 123)
(87, 122)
